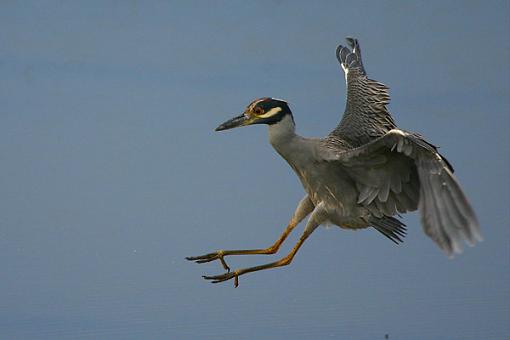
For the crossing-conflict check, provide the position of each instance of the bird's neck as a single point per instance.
(282, 132)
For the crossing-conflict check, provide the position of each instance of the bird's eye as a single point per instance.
(258, 111)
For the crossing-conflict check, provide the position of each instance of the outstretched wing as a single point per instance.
(366, 116)
(392, 169)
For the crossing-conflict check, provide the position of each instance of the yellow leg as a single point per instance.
(315, 220)
(280, 263)
(304, 208)
(218, 255)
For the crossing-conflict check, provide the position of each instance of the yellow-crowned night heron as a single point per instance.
(362, 174)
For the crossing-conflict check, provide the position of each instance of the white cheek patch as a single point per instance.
(270, 113)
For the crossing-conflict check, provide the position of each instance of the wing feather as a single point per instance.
(366, 116)
(414, 176)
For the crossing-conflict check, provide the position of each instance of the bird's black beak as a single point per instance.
(240, 120)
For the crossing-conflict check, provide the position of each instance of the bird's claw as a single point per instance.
(218, 255)
(224, 277)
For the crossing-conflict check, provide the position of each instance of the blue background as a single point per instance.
(111, 172)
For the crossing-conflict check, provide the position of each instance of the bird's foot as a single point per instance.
(217, 255)
(224, 277)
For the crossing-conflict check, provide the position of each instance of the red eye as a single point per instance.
(258, 111)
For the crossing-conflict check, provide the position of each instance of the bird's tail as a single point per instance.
(389, 227)
(447, 216)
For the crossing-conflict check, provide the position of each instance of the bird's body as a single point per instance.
(365, 172)
(324, 182)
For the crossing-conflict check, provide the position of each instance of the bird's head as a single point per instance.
(261, 111)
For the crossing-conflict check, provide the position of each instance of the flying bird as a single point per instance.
(365, 173)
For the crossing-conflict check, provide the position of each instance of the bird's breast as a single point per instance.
(330, 185)
(324, 182)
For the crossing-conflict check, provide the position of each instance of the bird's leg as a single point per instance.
(220, 254)
(304, 208)
(313, 222)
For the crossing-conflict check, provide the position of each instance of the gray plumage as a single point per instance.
(363, 174)
(366, 115)
(410, 172)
